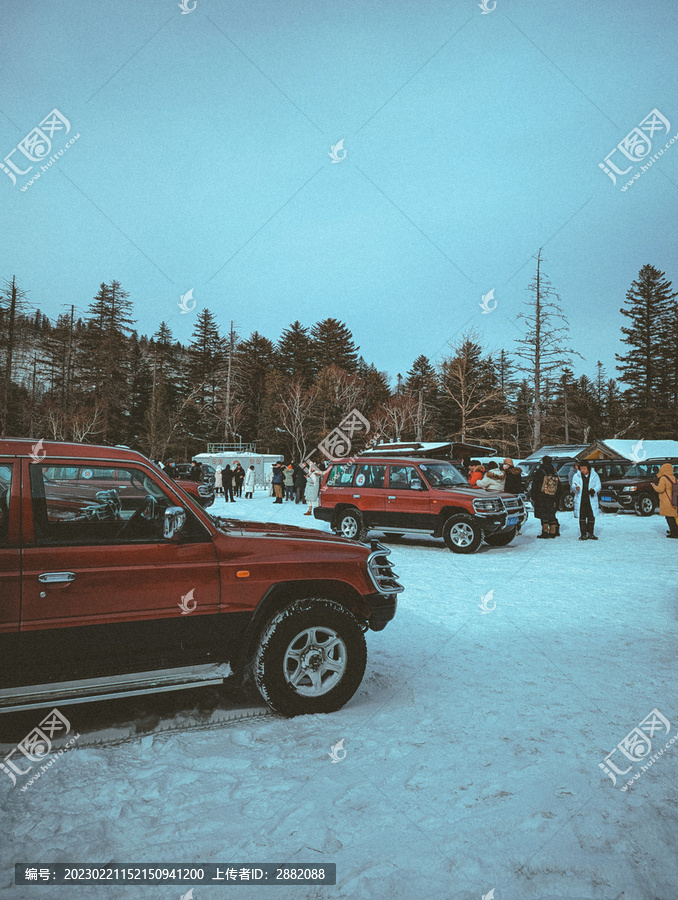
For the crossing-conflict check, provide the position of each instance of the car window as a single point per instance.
(129, 508)
(405, 478)
(371, 476)
(5, 491)
(443, 475)
(341, 475)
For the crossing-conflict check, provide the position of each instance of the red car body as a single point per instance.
(92, 588)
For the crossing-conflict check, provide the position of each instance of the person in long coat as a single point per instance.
(586, 487)
(312, 489)
(299, 483)
(664, 487)
(545, 504)
(218, 481)
(249, 483)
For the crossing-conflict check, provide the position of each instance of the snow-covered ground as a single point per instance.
(472, 748)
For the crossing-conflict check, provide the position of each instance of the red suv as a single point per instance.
(114, 582)
(404, 495)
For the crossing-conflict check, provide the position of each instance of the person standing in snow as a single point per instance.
(513, 478)
(299, 483)
(664, 487)
(249, 483)
(278, 480)
(218, 481)
(493, 479)
(586, 487)
(227, 477)
(312, 489)
(544, 496)
(288, 476)
(238, 478)
(475, 473)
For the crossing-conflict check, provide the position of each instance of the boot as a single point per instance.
(557, 534)
(592, 536)
(553, 531)
(544, 531)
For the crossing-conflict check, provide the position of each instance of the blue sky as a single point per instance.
(471, 139)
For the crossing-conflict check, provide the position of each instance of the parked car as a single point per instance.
(634, 490)
(398, 495)
(115, 582)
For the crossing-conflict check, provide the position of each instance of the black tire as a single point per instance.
(462, 534)
(292, 642)
(567, 503)
(502, 539)
(644, 505)
(352, 525)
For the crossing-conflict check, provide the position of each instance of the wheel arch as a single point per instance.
(445, 514)
(280, 595)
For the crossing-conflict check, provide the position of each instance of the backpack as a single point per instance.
(550, 484)
(674, 493)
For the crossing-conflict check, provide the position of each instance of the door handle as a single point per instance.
(392, 498)
(56, 577)
(356, 496)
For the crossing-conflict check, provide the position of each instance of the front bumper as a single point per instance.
(382, 609)
(617, 499)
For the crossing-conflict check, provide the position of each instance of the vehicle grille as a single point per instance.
(383, 577)
(514, 505)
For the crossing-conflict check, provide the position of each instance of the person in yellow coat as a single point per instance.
(664, 487)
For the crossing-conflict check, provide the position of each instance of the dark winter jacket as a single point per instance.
(227, 477)
(514, 480)
(300, 478)
(545, 505)
(278, 476)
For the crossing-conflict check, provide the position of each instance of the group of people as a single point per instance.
(296, 481)
(546, 492)
(230, 482)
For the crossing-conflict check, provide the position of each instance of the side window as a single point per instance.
(405, 478)
(5, 491)
(341, 476)
(371, 476)
(129, 506)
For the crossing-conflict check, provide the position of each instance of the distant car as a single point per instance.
(404, 495)
(634, 490)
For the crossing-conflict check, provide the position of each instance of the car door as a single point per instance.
(101, 581)
(369, 493)
(10, 547)
(408, 503)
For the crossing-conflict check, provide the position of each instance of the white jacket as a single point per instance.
(492, 480)
(249, 481)
(594, 484)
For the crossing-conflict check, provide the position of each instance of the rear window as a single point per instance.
(5, 490)
(341, 475)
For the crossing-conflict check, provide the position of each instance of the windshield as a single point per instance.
(642, 470)
(443, 475)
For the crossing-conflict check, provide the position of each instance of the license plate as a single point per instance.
(513, 520)
(606, 499)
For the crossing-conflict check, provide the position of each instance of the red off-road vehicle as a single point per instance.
(115, 582)
(409, 495)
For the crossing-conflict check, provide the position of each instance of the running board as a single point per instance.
(63, 693)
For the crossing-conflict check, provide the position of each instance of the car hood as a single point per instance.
(622, 482)
(278, 530)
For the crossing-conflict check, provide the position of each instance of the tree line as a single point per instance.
(91, 377)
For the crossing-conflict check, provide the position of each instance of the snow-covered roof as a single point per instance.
(640, 450)
(556, 450)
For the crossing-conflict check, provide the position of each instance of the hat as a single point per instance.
(547, 460)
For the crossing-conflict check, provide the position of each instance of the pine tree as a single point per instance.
(204, 376)
(295, 353)
(256, 358)
(12, 304)
(104, 360)
(646, 367)
(333, 345)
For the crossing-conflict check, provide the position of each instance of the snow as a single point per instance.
(472, 746)
(640, 450)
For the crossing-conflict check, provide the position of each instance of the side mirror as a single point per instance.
(175, 517)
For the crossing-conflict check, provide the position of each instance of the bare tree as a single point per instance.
(544, 350)
(295, 408)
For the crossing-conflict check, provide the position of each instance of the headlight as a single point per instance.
(488, 505)
(631, 487)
